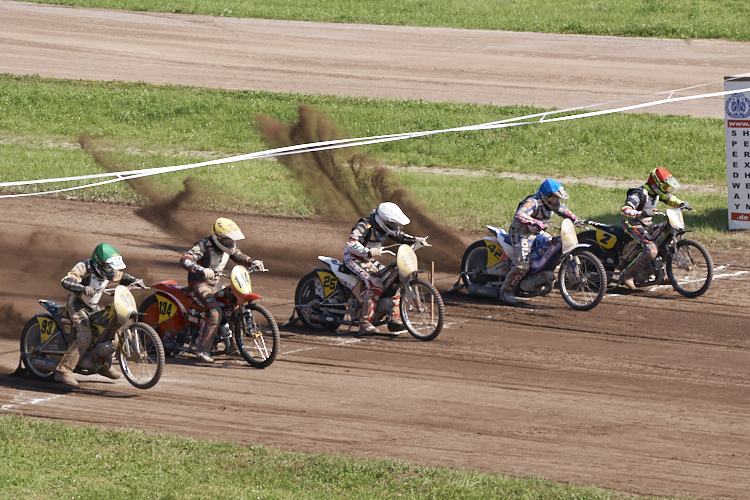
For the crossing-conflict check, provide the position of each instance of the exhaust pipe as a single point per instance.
(324, 319)
(44, 364)
(484, 291)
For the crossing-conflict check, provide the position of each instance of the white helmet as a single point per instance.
(390, 218)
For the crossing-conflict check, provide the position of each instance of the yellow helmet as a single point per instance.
(225, 233)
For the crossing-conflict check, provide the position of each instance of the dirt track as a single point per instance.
(593, 398)
(436, 64)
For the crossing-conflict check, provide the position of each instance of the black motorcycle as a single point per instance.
(686, 263)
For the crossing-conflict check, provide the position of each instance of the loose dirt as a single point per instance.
(646, 393)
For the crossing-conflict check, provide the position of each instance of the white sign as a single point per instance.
(737, 134)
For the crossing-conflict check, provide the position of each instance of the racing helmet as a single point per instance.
(390, 218)
(106, 261)
(661, 181)
(225, 233)
(552, 193)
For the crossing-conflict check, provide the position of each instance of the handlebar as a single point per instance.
(136, 284)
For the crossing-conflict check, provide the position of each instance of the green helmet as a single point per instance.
(106, 260)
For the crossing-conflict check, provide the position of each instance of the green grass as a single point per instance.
(137, 125)
(646, 18)
(44, 460)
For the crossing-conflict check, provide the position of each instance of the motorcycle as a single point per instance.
(115, 328)
(687, 263)
(331, 296)
(177, 318)
(581, 277)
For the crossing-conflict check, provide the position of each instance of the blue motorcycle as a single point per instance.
(580, 274)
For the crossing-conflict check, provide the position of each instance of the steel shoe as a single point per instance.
(508, 297)
(66, 378)
(110, 373)
(203, 357)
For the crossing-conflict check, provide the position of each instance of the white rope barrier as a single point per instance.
(361, 141)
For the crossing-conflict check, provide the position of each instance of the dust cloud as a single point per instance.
(11, 322)
(350, 188)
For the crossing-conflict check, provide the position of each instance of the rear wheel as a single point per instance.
(258, 339)
(422, 310)
(473, 263)
(308, 296)
(141, 355)
(31, 340)
(691, 269)
(582, 280)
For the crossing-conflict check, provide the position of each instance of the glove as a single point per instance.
(648, 213)
(89, 291)
(421, 243)
(258, 265)
(374, 253)
(541, 225)
(139, 283)
(685, 206)
(208, 273)
(579, 223)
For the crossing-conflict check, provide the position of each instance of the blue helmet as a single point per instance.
(552, 193)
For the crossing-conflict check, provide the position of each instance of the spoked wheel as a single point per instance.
(422, 310)
(258, 339)
(691, 269)
(309, 292)
(473, 263)
(43, 367)
(141, 355)
(582, 280)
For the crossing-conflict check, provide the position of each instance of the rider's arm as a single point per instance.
(671, 200)
(354, 246)
(404, 239)
(240, 257)
(190, 260)
(629, 209)
(524, 214)
(124, 278)
(565, 212)
(74, 279)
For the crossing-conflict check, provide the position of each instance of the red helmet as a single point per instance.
(661, 181)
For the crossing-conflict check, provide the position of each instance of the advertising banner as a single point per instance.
(737, 134)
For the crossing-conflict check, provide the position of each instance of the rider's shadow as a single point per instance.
(22, 381)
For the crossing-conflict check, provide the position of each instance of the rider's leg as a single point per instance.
(368, 273)
(521, 262)
(646, 254)
(205, 298)
(395, 324)
(80, 318)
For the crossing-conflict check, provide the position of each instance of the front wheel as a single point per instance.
(582, 280)
(141, 355)
(422, 310)
(690, 269)
(258, 339)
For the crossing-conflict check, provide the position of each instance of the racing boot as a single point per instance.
(66, 378)
(395, 324)
(368, 311)
(110, 373)
(510, 283)
(205, 341)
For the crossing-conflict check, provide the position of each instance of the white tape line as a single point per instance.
(20, 401)
(345, 143)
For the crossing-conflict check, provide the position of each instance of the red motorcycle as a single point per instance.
(245, 326)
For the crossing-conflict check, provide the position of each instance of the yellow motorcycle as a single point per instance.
(115, 328)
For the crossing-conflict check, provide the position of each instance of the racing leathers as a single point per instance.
(636, 214)
(86, 290)
(530, 220)
(365, 240)
(205, 254)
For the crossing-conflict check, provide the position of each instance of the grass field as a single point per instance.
(646, 18)
(136, 125)
(43, 460)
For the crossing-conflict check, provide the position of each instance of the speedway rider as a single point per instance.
(86, 281)
(530, 220)
(640, 206)
(361, 252)
(206, 258)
